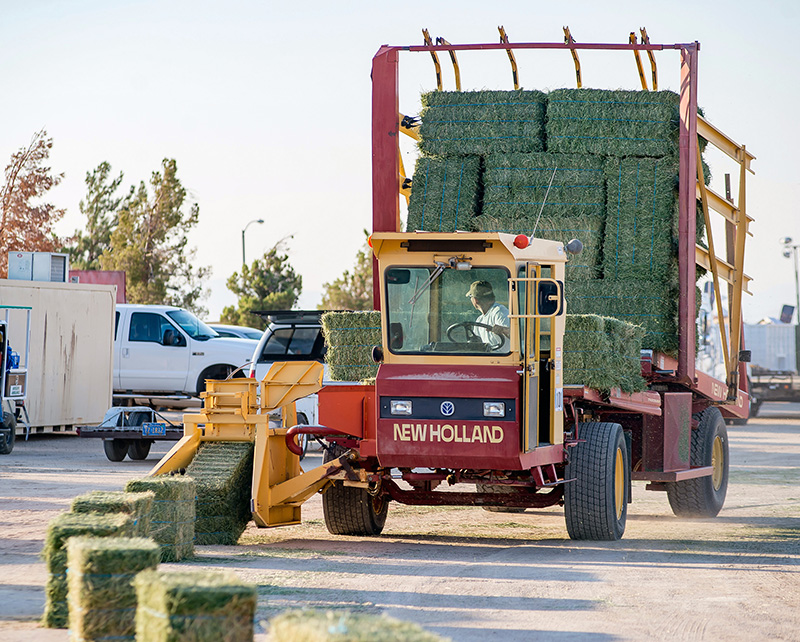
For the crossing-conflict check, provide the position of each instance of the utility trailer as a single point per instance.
(131, 431)
(450, 407)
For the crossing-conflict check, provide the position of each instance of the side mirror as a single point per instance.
(550, 298)
(169, 338)
(395, 336)
(377, 354)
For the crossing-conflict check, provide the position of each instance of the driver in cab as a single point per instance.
(493, 315)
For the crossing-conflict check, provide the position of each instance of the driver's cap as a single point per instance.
(480, 289)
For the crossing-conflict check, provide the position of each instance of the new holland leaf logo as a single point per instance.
(447, 408)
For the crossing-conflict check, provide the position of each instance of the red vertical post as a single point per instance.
(687, 224)
(385, 166)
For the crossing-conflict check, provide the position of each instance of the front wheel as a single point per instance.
(349, 510)
(704, 496)
(9, 435)
(596, 501)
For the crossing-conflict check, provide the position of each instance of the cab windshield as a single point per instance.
(191, 325)
(447, 311)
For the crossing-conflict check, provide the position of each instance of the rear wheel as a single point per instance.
(115, 449)
(351, 511)
(596, 502)
(138, 449)
(704, 496)
(498, 488)
(9, 434)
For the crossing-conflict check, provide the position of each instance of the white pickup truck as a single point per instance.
(164, 351)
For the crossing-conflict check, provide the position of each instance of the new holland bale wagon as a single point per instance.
(459, 400)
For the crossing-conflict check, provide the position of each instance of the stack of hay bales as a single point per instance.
(223, 472)
(193, 607)
(138, 505)
(59, 530)
(350, 337)
(102, 599)
(316, 626)
(173, 514)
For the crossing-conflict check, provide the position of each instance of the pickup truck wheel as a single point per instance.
(115, 449)
(596, 502)
(219, 371)
(8, 438)
(351, 511)
(138, 449)
(704, 496)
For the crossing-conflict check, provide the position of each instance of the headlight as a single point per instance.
(494, 409)
(400, 406)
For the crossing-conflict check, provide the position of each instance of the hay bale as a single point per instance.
(457, 123)
(59, 530)
(330, 626)
(612, 123)
(350, 337)
(172, 517)
(641, 227)
(223, 472)
(515, 186)
(602, 353)
(445, 194)
(137, 505)
(102, 600)
(193, 607)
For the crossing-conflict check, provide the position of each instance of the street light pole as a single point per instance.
(255, 220)
(790, 251)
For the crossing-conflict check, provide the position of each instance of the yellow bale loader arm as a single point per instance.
(239, 410)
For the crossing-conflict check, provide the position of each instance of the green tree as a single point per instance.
(270, 283)
(26, 222)
(150, 244)
(352, 290)
(100, 208)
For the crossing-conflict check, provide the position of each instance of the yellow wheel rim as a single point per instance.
(619, 483)
(717, 462)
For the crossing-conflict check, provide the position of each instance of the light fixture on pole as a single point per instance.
(255, 220)
(789, 251)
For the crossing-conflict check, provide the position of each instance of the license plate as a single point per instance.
(15, 391)
(154, 429)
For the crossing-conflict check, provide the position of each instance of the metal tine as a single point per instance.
(428, 42)
(568, 39)
(456, 70)
(514, 73)
(651, 56)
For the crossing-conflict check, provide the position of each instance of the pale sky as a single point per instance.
(266, 106)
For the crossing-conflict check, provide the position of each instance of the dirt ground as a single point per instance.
(468, 574)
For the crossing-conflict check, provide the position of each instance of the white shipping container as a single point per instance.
(772, 346)
(70, 363)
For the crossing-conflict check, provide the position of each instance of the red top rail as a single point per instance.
(385, 160)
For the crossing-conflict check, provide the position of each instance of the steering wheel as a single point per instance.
(469, 332)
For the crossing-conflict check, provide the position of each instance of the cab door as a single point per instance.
(530, 353)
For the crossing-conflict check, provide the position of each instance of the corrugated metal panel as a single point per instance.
(773, 346)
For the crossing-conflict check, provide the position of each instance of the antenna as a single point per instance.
(541, 209)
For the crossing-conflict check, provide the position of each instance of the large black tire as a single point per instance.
(8, 438)
(115, 449)
(704, 496)
(351, 511)
(498, 488)
(138, 449)
(596, 503)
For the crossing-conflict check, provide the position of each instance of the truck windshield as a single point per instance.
(460, 312)
(191, 325)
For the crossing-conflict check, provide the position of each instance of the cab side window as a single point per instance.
(154, 328)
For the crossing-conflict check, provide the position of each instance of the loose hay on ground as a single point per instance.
(102, 599)
(445, 194)
(59, 530)
(138, 505)
(223, 472)
(329, 626)
(457, 123)
(612, 123)
(193, 607)
(173, 514)
(350, 337)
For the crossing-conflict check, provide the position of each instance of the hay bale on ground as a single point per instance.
(330, 626)
(457, 123)
(350, 337)
(640, 240)
(137, 505)
(193, 607)
(445, 194)
(223, 472)
(173, 514)
(102, 600)
(602, 353)
(59, 530)
(515, 186)
(612, 123)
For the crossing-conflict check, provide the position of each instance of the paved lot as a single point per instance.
(473, 575)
